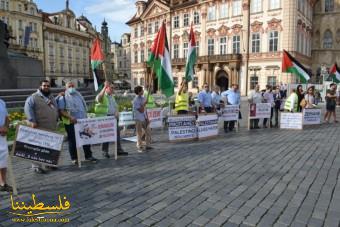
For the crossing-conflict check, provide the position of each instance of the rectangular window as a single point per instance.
(195, 82)
(135, 81)
(69, 68)
(223, 10)
(61, 51)
(149, 29)
(273, 41)
(69, 53)
(197, 48)
(136, 32)
(52, 67)
(211, 13)
(236, 44)
(142, 55)
(210, 46)
(274, 4)
(186, 20)
(51, 50)
(176, 21)
(20, 24)
(256, 6)
(141, 31)
(254, 80)
(176, 51)
(156, 26)
(196, 18)
(223, 45)
(185, 50)
(255, 43)
(271, 80)
(61, 67)
(142, 81)
(20, 40)
(2, 4)
(136, 57)
(237, 7)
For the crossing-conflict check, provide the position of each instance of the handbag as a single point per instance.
(303, 103)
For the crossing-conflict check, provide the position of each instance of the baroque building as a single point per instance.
(24, 22)
(223, 29)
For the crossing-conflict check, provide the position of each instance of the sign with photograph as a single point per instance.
(155, 117)
(207, 125)
(291, 121)
(38, 145)
(182, 128)
(259, 110)
(230, 113)
(96, 130)
(311, 116)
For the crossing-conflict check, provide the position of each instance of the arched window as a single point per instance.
(329, 5)
(327, 39)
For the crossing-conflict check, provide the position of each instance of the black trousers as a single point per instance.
(208, 109)
(72, 147)
(229, 125)
(254, 123)
(276, 118)
(182, 112)
(266, 119)
(105, 146)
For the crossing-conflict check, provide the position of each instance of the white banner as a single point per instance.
(126, 118)
(155, 117)
(207, 125)
(182, 128)
(259, 110)
(291, 121)
(230, 113)
(96, 130)
(311, 116)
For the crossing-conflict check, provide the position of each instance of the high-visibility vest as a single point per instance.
(151, 102)
(288, 103)
(102, 108)
(182, 102)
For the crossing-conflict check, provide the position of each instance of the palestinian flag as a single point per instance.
(97, 58)
(291, 65)
(159, 61)
(335, 72)
(191, 58)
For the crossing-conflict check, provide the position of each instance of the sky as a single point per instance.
(115, 12)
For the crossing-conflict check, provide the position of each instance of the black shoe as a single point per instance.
(122, 153)
(52, 167)
(106, 154)
(91, 159)
(6, 188)
(39, 170)
(148, 148)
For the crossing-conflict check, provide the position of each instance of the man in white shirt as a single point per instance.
(255, 97)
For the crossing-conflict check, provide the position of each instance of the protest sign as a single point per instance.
(230, 113)
(126, 118)
(291, 121)
(38, 145)
(182, 128)
(259, 110)
(207, 125)
(311, 116)
(155, 117)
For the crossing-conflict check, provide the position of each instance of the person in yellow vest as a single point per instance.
(182, 99)
(106, 106)
(291, 103)
(150, 102)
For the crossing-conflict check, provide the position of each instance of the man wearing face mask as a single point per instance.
(42, 112)
(106, 106)
(72, 107)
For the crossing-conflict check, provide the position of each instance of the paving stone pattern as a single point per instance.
(259, 178)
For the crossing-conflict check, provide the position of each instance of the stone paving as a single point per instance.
(259, 178)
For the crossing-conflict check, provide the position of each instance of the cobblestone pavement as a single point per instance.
(259, 178)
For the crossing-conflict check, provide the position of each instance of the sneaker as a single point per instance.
(74, 162)
(6, 188)
(39, 170)
(106, 154)
(91, 159)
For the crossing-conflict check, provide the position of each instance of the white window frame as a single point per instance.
(274, 4)
(186, 18)
(211, 13)
(223, 45)
(211, 46)
(176, 22)
(256, 42)
(236, 44)
(223, 10)
(275, 40)
(237, 7)
(256, 6)
(196, 18)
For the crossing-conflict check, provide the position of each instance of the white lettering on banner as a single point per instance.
(230, 113)
(259, 110)
(96, 130)
(126, 118)
(39, 138)
(155, 117)
(182, 128)
(207, 125)
(291, 121)
(311, 116)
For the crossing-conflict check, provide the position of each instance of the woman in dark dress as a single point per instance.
(301, 95)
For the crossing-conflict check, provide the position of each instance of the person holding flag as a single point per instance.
(182, 99)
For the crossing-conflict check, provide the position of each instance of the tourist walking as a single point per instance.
(72, 107)
(331, 103)
(41, 111)
(106, 105)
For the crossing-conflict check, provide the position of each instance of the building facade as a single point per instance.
(221, 31)
(23, 20)
(122, 59)
(67, 48)
(326, 37)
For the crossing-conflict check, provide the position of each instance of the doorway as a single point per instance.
(222, 80)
